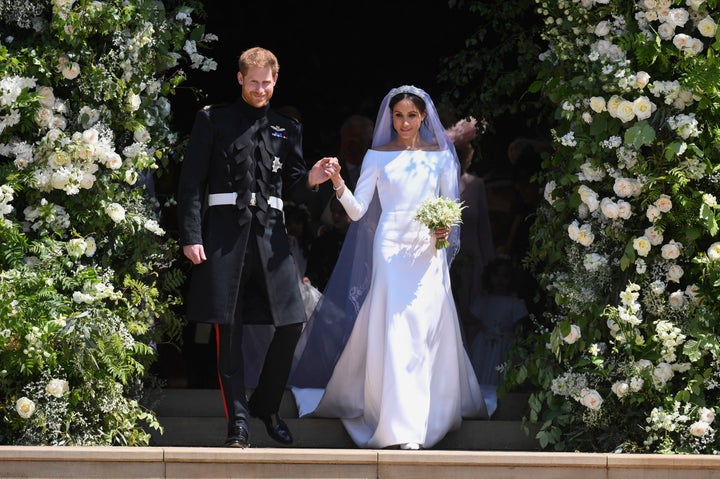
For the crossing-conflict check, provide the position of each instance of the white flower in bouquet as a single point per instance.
(440, 212)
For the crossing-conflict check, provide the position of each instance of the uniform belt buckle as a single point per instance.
(253, 200)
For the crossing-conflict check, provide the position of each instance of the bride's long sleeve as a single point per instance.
(356, 203)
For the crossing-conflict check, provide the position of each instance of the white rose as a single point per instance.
(90, 246)
(76, 247)
(671, 250)
(43, 117)
(602, 28)
(662, 373)
(133, 102)
(598, 104)
(624, 209)
(116, 212)
(24, 407)
(625, 111)
(675, 272)
(612, 105)
(47, 97)
(589, 197)
(624, 187)
(654, 235)
(707, 27)
(70, 70)
(664, 203)
(641, 80)
(713, 251)
(707, 415)
(642, 245)
(699, 429)
(609, 208)
(548, 193)
(652, 213)
(676, 299)
(643, 108)
(691, 292)
(636, 383)
(591, 399)
(573, 335)
(585, 235)
(620, 388)
(57, 387)
(574, 232)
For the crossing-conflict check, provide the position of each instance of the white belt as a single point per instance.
(217, 199)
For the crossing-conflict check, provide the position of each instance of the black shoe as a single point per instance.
(237, 436)
(278, 431)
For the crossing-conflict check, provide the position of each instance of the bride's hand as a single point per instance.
(442, 233)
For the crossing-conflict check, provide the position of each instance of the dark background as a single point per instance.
(336, 58)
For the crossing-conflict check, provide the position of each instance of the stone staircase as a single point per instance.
(195, 418)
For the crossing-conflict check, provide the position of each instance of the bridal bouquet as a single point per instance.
(440, 212)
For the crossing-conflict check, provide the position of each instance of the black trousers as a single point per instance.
(273, 378)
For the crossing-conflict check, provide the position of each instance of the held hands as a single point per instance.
(325, 169)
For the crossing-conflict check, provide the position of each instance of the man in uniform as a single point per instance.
(243, 158)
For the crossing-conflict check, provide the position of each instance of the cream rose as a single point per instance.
(699, 428)
(643, 108)
(573, 335)
(713, 251)
(116, 212)
(642, 245)
(620, 388)
(664, 203)
(25, 407)
(57, 387)
(625, 111)
(598, 104)
(591, 399)
(707, 27)
(671, 250)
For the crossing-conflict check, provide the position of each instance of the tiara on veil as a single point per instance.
(407, 89)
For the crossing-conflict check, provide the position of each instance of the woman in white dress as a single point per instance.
(384, 351)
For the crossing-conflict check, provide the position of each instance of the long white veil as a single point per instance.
(329, 326)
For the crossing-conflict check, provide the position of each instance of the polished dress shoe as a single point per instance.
(237, 436)
(276, 428)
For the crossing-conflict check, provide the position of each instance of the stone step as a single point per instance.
(195, 418)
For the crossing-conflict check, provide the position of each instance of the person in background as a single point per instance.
(476, 241)
(399, 375)
(242, 160)
(355, 138)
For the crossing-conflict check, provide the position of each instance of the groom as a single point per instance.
(242, 160)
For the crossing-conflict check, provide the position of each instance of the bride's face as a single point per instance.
(407, 119)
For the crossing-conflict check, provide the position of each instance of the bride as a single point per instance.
(383, 350)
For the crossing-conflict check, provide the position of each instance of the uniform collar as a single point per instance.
(252, 112)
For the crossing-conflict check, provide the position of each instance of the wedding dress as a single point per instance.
(403, 375)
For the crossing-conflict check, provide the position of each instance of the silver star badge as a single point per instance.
(276, 164)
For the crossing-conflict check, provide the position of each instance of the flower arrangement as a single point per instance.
(625, 245)
(88, 284)
(440, 212)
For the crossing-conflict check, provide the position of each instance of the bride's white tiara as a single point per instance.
(407, 89)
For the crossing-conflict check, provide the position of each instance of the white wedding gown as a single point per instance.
(404, 375)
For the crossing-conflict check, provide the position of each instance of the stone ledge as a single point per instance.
(208, 462)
